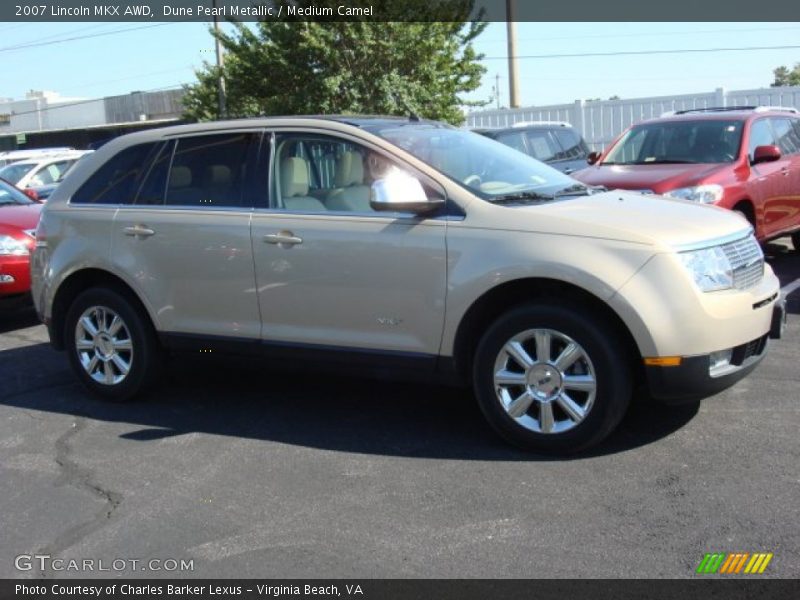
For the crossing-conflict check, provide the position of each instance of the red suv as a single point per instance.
(742, 158)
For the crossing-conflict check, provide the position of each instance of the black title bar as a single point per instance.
(398, 10)
(735, 588)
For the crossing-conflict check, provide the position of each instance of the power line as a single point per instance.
(80, 37)
(137, 76)
(56, 35)
(647, 52)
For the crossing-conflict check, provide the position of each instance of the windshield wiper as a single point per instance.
(574, 190)
(521, 197)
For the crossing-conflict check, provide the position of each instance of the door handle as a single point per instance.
(138, 231)
(283, 238)
(567, 171)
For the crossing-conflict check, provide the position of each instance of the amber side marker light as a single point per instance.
(663, 361)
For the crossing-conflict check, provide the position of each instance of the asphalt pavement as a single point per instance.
(242, 471)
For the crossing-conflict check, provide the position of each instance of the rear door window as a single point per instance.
(154, 185)
(211, 171)
(786, 136)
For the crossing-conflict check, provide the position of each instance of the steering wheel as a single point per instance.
(472, 180)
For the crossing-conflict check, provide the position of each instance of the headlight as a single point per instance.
(10, 246)
(709, 267)
(705, 194)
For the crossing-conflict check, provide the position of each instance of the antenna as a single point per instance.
(400, 100)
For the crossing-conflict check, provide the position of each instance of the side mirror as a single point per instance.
(401, 192)
(593, 157)
(765, 154)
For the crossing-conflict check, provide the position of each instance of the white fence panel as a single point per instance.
(601, 121)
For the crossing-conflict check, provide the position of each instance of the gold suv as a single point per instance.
(390, 246)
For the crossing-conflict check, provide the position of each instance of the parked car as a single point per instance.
(41, 171)
(551, 142)
(743, 158)
(12, 156)
(43, 192)
(398, 247)
(18, 218)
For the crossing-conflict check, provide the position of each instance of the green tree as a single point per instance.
(784, 76)
(327, 67)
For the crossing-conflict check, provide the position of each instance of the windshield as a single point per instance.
(11, 195)
(15, 171)
(678, 142)
(488, 168)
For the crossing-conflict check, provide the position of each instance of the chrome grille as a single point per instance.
(747, 262)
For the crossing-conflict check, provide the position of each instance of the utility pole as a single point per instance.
(513, 71)
(221, 113)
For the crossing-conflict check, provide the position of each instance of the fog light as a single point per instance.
(6, 278)
(718, 361)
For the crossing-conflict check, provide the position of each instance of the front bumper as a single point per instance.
(693, 379)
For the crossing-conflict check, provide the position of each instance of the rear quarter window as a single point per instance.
(116, 181)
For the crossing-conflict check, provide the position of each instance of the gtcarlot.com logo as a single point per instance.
(733, 563)
(45, 562)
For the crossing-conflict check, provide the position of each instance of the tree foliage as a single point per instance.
(785, 76)
(285, 67)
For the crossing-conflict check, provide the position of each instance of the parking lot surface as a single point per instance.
(247, 472)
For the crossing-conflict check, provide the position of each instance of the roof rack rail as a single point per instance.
(714, 109)
(789, 109)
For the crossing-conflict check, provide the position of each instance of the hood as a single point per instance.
(19, 216)
(658, 178)
(625, 216)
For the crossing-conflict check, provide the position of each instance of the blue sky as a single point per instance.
(125, 57)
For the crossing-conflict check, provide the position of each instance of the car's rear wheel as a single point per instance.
(112, 346)
(552, 378)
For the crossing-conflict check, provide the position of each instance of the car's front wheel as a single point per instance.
(111, 345)
(552, 378)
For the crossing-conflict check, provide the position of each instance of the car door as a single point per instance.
(333, 274)
(768, 185)
(184, 241)
(786, 214)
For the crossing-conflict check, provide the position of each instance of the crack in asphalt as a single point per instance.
(80, 478)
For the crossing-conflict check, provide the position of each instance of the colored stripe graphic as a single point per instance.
(741, 562)
(732, 563)
(711, 562)
(758, 563)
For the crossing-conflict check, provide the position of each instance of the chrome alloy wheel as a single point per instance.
(104, 345)
(545, 381)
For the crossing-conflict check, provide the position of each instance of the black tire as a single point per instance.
(145, 356)
(608, 361)
(796, 241)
